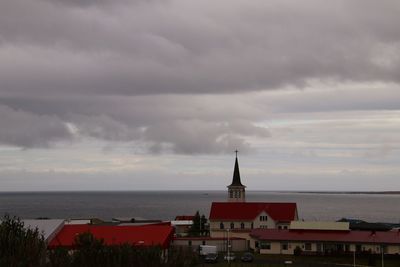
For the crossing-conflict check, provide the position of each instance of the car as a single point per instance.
(230, 257)
(211, 258)
(247, 257)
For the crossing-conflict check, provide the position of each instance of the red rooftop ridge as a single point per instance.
(246, 211)
(147, 235)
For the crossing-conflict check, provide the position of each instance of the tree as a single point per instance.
(20, 246)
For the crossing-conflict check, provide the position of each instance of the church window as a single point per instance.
(242, 226)
(221, 226)
(239, 194)
(231, 194)
(232, 225)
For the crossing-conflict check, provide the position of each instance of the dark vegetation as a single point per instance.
(199, 227)
(20, 247)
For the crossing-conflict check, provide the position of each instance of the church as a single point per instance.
(238, 217)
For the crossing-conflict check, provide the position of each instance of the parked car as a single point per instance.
(211, 258)
(247, 257)
(230, 257)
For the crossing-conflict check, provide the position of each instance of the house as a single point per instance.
(241, 217)
(146, 235)
(279, 241)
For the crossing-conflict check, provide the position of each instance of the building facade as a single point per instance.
(320, 242)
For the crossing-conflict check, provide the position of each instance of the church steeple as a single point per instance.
(236, 190)
(236, 173)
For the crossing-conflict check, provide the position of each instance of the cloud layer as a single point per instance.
(189, 77)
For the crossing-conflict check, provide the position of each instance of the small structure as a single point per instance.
(182, 227)
(237, 244)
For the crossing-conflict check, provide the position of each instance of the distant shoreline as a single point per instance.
(213, 191)
(343, 192)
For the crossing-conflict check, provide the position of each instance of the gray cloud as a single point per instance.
(159, 72)
(192, 47)
(24, 129)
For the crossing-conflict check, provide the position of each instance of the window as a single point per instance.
(204, 242)
(221, 226)
(307, 246)
(242, 226)
(252, 225)
(239, 194)
(285, 227)
(190, 243)
(232, 225)
(264, 226)
(263, 218)
(256, 244)
(284, 246)
(279, 227)
(231, 194)
(265, 245)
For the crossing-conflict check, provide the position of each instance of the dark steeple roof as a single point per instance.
(236, 174)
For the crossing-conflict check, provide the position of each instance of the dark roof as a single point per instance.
(148, 235)
(184, 218)
(367, 226)
(236, 175)
(250, 210)
(328, 236)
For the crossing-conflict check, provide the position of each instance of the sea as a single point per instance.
(165, 205)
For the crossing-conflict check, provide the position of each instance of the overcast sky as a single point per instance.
(157, 94)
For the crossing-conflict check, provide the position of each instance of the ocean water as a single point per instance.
(166, 205)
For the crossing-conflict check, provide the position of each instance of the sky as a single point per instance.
(157, 95)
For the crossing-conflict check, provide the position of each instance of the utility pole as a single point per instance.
(229, 257)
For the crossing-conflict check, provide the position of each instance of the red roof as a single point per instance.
(329, 236)
(250, 210)
(184, 218)
(147, 235)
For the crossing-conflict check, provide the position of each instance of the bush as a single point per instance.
(20, 246)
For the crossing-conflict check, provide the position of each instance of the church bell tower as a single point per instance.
(236, 191)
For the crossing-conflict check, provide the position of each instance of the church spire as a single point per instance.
(236, 173)
(236, 190)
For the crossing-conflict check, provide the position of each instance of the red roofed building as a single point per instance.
(147, 235)
(239, 218)
(275, 241)
(242, 217)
